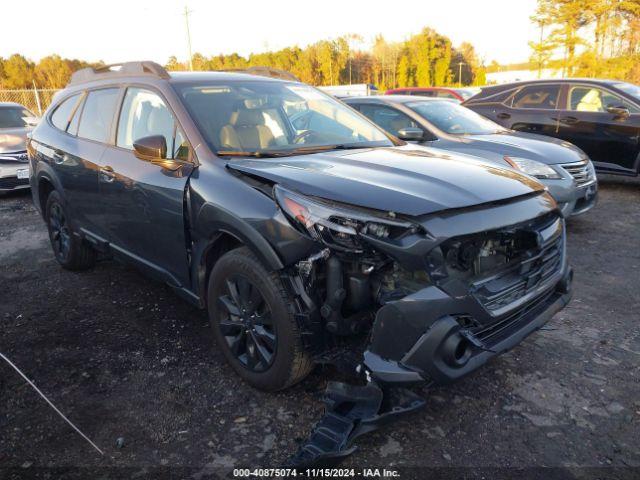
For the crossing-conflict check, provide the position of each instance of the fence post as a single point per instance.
(35, 90)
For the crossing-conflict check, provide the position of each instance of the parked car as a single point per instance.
(16, 121)
(564, 169)
(293, 238)
(353, 90)
(460, 94)
(602, 117)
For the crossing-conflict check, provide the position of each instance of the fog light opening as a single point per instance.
(462, 352)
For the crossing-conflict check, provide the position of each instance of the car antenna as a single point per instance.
(50, 403)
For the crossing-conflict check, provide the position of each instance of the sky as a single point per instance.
(122, 30)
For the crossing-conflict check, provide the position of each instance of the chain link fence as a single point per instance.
(35, 100)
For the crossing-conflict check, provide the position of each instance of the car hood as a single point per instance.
(13, 139)
(527, 145)
(410, 180)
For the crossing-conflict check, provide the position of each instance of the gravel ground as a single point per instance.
(125, 358)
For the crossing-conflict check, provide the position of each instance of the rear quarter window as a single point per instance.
(485, 96)
(61, 116)
(97, 114)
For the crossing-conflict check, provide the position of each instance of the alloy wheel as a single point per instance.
(59, 231)
(247, 324)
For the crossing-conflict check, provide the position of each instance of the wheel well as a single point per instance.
(45, 187)
(221, 245)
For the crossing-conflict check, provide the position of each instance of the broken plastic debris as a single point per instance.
(351, 411)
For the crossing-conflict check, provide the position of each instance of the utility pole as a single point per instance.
(460, 73)
(540, 52)
(186, 19)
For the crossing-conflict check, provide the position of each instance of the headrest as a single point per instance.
(246, 117)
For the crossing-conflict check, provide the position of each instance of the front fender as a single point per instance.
(217, 220)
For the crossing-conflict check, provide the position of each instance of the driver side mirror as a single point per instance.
(619, 111)
(154, 149)
(411, 134)
(151, 148)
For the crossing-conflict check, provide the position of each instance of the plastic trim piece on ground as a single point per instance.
(351, 411)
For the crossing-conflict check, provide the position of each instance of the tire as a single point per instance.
(277, 359)
(69, 249)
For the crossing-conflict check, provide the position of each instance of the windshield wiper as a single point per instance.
(256, 154)
(288, 153)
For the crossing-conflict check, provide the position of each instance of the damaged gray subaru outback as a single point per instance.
(297, 223)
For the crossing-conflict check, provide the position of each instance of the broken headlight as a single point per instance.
(336, 226)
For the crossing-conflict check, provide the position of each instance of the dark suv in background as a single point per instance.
(296, 238)
(602, 117)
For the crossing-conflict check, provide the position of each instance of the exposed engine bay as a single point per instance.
(351, 278)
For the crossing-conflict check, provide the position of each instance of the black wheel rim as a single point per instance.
(246, 324)
(59, 232)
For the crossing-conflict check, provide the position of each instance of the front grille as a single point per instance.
(535, 272)
(13, 182)
(497, 331)
(540, 269)
(21, 157)
(581, 172)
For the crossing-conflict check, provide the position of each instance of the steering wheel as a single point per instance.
(303, 136)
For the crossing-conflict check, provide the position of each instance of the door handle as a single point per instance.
(107, 174)
(58, 157)
(503, 116)
(569, 120)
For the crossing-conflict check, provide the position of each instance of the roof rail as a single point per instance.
(265, 72)
(126, 69)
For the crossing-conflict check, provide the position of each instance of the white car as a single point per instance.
(16, 121)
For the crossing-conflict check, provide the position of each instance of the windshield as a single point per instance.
(254, 117)
(629, 88)
(14, 117)
(453, 119)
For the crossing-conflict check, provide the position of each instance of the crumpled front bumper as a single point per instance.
(418, 339)
(444, 331)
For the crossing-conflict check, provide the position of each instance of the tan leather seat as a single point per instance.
(246, 131)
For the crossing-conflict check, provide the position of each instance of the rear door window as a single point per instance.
(62, 114)
(97, 114)
(537, 97)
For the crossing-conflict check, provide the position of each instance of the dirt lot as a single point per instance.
(125, 358)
